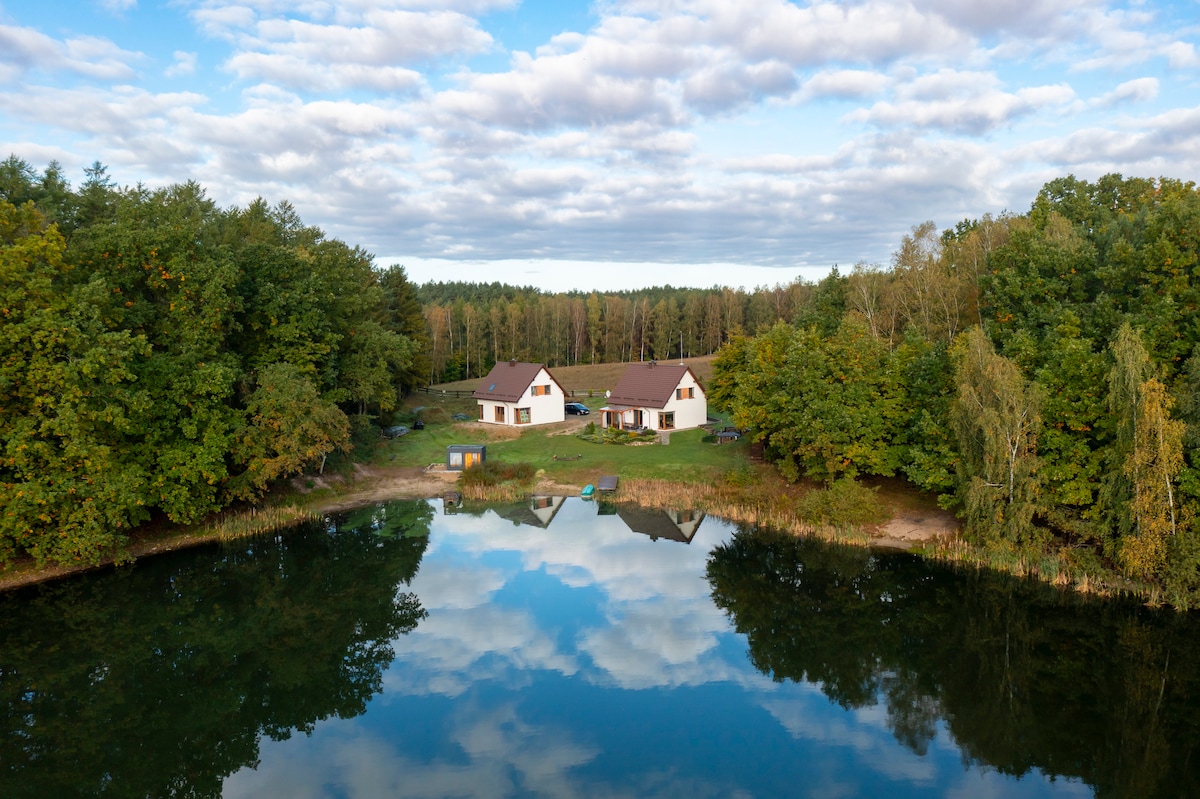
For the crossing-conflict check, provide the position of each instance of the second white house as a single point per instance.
(656, 396)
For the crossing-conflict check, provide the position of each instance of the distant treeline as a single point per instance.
(471, 326)
(162, 357)
(1040, 372)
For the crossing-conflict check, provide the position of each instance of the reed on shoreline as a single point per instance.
(256, 521)
(1055, 568)
(756, 504)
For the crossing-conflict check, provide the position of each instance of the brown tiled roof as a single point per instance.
(648, 384)
(509, 380)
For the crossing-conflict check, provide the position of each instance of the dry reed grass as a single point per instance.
(503, 492)
(1057, 569)
(764, 505)
(259, 521)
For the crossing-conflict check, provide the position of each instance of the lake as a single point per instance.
(567, 649)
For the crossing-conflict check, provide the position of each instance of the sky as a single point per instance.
(612, 144)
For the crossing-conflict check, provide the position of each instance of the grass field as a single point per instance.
(685, 459)
(598, 376)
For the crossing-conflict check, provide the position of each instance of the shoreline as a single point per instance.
(906, 530)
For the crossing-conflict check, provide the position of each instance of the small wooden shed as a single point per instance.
(464, 456)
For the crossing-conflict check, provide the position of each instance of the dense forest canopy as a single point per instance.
(471, 326)
(1039, 372)
(162, 356)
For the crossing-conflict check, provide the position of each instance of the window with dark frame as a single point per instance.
(666, 421)
(685, 393)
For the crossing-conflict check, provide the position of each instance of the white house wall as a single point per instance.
(548, 408)
(544, 409)
(689, 413)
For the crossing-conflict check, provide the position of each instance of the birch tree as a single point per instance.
(996, 418)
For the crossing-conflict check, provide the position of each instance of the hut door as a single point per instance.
(470, 459)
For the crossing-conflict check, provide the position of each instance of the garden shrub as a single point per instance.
(845, 503)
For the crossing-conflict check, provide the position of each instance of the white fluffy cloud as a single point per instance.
(675, 131)
(26, 50)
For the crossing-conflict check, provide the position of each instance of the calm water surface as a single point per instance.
(551, 651)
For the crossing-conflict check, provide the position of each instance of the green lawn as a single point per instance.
(685, 459)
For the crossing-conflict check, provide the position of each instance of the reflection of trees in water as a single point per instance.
(1023, 676)
(160, 679)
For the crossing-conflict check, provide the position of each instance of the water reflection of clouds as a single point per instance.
(865, 730)
(659, 626)
(455, 648)
(515, 607)
(499, 755)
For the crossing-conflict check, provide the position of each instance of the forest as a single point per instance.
(162, 358)
(1039, 372)
(471, 326)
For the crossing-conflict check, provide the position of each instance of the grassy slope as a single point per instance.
(599, 376)
(685, 459)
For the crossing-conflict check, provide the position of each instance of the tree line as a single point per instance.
(163, 357)
(1040, 372)
(471, 326)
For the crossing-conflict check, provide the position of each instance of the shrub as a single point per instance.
(741, 475)
(493, 473)
(845, 503)
(363, 432)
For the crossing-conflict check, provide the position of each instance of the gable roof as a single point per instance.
(508, 381)
(654, 523)
(649, 384)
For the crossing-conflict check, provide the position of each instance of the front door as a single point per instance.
(470, 459)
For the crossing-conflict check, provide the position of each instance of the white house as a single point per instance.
(657, 396)
(516, 393)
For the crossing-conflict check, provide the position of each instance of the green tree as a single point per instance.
(1152, 468)
(72, 487)
(290, 428)
(402, 314)
(996, 418)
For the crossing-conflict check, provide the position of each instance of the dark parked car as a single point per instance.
(576, 409)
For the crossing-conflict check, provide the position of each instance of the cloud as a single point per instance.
(721, 88)
(184, 64)
(844, 84)
(1023, 17)
(962, 102)
(118, 6)
(25, 49)
(1137, 90)
(1165, 144)
(355, 46)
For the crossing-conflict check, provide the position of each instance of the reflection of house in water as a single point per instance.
(538, 511)
(674, 525)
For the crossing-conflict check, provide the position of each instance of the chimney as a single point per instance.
(652, 364)
(513, 362)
